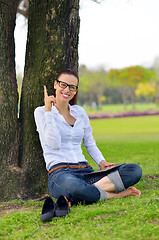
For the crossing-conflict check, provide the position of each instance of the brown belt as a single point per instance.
(70, 166)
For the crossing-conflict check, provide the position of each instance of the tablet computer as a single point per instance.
(107, 170)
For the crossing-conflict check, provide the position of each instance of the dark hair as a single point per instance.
(73, 101)
(69, 72)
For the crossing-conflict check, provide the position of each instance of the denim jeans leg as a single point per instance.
(130, 174)
(117, 181)
(126, 176)
(73, 187)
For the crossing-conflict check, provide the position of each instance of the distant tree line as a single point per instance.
(128, 85)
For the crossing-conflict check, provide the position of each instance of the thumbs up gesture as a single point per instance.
(48, 100)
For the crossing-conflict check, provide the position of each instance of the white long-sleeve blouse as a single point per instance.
(61, 143)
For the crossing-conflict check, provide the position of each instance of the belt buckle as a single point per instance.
(67, 166)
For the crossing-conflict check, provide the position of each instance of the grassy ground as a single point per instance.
(133, 139)
(113, 108)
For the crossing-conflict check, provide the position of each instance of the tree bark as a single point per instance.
(123, 91)
(9, 130)
(52, 45)
(132, 96)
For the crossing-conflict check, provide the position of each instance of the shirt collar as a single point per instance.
(73, 111)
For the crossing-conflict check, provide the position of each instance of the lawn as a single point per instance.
(114, 108)
(134, 139)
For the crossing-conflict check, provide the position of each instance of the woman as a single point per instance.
(62, 126)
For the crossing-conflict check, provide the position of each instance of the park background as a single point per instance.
(118, 53)
(108, 91)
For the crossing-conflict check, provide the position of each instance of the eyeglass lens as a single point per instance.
(64, 85)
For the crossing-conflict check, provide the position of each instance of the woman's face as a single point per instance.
(65, 94)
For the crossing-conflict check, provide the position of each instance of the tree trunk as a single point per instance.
(122, 90)
(9, 129)
(99, 95)
(132, 95)
(52, 45)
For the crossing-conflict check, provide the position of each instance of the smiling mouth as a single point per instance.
(65, 95)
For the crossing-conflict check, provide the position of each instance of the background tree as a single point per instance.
(129, 78)
(113, 79)
(52, 45)
(155, 67)
(132, 76)
(146, 90)
(93, 83)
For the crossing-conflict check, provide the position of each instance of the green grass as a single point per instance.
(113, 108)
(128, 140)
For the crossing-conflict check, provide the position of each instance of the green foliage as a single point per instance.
(127, 79)
(121, 83)
(121, 140)
(146, 89)
(93, 83)
(131, 76)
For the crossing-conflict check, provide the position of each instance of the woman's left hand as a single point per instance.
(105, 165)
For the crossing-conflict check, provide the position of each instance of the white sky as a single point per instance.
(119, 33)
(113, 34)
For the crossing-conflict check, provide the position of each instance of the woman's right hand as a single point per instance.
(105, 165)
(48, 100)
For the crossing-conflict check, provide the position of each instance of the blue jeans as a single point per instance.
(78, 186)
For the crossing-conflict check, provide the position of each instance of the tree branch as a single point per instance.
(23, 8)
(23, 12)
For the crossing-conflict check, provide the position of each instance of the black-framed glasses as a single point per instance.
(64, 85)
